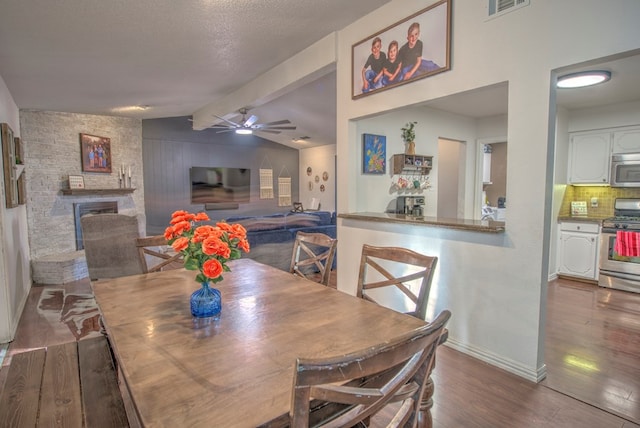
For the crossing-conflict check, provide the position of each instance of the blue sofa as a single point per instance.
(271, 236)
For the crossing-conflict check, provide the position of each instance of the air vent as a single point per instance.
(500, 7)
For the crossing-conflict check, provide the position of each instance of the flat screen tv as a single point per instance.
(211, 185)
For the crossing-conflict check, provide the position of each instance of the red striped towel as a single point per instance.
(627, 244)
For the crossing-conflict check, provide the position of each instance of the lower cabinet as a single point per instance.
(578, 249)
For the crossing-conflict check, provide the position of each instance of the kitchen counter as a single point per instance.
(487, 226)
(587, 219)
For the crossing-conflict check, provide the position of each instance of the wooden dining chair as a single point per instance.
(313, 255)
(375, 264)
(109, 245)
(346, 390)
(150, 248)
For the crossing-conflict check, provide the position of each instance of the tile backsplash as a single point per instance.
(606, 198)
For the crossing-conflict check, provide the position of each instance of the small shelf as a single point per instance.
(412, 164)
(96, 192)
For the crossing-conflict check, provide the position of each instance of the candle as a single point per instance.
(129, 171)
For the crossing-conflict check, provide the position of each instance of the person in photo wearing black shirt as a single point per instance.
(392, 66)
(411, 55)
(372, 70)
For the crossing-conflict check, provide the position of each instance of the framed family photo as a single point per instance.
(419, 46)
(374, 154)
(96, 153)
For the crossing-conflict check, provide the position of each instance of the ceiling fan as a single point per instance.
(249, 125)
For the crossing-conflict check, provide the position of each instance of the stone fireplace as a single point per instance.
(80, 209)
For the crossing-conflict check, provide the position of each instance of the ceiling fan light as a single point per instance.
(583, 78)
(244, 131)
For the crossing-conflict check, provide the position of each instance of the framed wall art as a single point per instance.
(10, 169)
(419, 46)
(374, 154)
(96, 153)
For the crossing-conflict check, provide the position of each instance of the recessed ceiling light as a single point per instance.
(583, 78)
(244, 131)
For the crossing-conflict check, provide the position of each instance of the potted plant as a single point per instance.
(409, 136)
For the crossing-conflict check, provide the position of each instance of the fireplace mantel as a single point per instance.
(96, 192)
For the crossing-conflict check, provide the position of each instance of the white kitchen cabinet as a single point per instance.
(589, 157)
(626, 140)
(578, 249)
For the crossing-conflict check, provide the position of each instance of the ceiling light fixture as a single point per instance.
(583, 78)
(244, 131)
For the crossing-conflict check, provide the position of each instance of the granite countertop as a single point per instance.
(487, 226)
(586, 219)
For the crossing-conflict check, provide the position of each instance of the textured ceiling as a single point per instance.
(92, 56)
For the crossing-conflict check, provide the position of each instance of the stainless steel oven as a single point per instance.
(620, 271)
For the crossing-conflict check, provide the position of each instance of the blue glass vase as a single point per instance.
(206, 301)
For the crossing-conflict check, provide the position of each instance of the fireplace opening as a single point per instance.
(90, 208)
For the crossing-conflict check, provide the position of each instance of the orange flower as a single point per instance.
(203, 232)
(201, 217)
(168, 233)
(238, 231)
(180, 244)
(244, 245)
(214, 246)
(212, 268)
(180, 228)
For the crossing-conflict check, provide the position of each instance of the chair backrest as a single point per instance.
(151, 247)
(351, 388)
(313, 255)
(109, 245)
(373, 275)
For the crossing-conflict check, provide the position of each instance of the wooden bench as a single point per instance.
(69, 385)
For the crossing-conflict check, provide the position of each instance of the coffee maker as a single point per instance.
(410, 205)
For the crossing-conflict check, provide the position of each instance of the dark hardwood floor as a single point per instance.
(592, 356)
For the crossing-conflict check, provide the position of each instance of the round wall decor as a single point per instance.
(309, 171)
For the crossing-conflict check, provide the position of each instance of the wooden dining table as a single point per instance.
(235, 369)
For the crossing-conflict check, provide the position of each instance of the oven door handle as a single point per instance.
(620, 275)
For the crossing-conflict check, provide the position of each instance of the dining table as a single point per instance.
(234, 369)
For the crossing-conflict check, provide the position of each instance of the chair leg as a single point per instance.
(424, 415)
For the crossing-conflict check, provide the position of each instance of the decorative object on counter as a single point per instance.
(409, 136)
(207, 249)
(76, 182)
(96, 153)
(578, 209)
(374, 154)
(406, 62)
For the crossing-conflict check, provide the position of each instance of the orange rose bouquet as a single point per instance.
(205, 247)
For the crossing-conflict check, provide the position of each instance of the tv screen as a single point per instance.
(211, 185)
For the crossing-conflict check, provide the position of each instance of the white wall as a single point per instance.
(320, 159)
(15, 276)
(495, 285)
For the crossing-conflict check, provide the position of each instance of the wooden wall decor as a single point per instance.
(9, 166)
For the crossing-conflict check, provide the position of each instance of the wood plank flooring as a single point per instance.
(592, 355)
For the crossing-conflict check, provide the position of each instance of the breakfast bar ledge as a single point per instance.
(487, 226)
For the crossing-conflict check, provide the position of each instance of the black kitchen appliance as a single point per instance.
(410, 205)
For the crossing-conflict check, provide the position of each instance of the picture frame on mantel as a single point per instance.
(374, 154)
(96, 153)
(416, 47)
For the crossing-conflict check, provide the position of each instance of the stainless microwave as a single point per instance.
(625, 170)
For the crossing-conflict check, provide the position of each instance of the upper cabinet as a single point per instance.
(626, 140)
(589, 157)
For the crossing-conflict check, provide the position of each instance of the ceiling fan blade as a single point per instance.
(224, 130)
(277, 122)
(252, 119)
(236, 125)
(267, 130)
(277, 127)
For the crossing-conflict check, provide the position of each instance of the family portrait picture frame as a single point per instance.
(414, 48)
(96, 153)
(374, 154)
